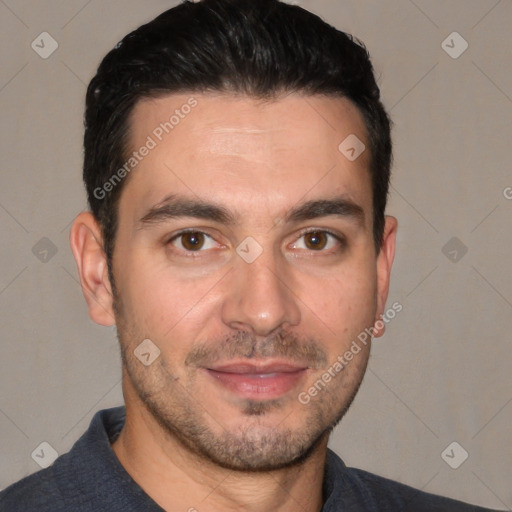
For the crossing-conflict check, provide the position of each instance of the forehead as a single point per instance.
(246, 152)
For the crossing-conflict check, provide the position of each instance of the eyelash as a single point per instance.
(340, 239)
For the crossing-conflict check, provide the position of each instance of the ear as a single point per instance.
(87, 245)
(384, 263)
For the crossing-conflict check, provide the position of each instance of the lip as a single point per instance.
(258, 381)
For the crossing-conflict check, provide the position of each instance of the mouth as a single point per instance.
(258, 381)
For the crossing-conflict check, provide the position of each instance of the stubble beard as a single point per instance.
(253, 445)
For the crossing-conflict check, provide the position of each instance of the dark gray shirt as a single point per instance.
(90, 478)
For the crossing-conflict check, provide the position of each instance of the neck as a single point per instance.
(178, 479)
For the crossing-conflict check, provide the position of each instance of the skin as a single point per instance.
(190, 441)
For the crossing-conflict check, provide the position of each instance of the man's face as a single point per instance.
(245, 253)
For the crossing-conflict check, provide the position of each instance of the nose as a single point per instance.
(260, 297)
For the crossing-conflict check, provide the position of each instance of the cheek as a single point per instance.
(160, 301)
(345, 303)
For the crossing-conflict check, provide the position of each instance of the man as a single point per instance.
(237, 161)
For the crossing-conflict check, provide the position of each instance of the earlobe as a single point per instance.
(87, 245)
(384, 264)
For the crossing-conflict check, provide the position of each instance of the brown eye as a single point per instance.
(315, 240)
(192, 241)
(320, 241)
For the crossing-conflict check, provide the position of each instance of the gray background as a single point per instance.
(440, 374)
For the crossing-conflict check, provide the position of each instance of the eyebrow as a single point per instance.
(174, 207)
(338, 206)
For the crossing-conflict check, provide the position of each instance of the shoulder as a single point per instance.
(75, 478)
(37, 492)
(392, 496)
(355, 489)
